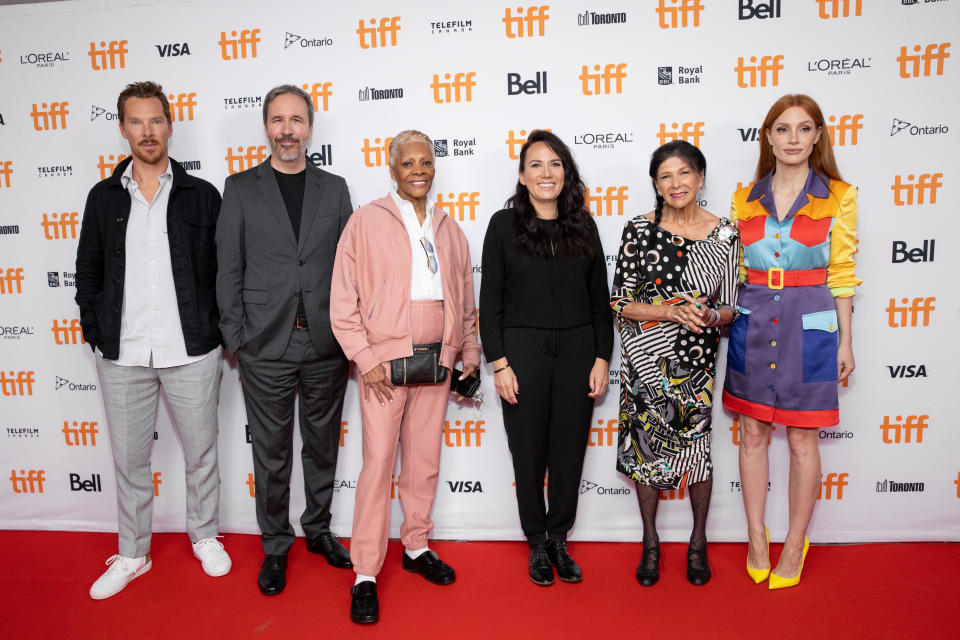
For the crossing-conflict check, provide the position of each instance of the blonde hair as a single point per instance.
(406, 137)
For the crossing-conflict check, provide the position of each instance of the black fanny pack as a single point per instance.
(423, 367)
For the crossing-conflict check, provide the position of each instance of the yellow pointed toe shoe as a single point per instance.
(759, 575)
(776, 582)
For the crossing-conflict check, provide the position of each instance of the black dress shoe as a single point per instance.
(698, 569)
(541, 572)
(648, 571)
(567, 569)
(430, 566)
(364, 607)
(273, 575)
(328, 545)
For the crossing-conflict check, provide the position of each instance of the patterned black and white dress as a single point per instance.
(666, 371)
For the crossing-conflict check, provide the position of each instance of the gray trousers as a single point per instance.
(270, 388)
(130, 397)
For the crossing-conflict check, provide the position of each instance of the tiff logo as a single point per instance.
(108, 56)
(927, 183)
(11, 282)
(608, 428)
(609, 203)
(515, 142)
(376, 154)
(157, 481)
(768, 71)
(235, 48)
(460, 436)
(688, 131)
(829, 9)
(76, 435)
(463, 208)
(46, 118)
(251, 485)
(343, 432)
(673, 494)
(910, 64)
(903, 430)
(69, 333)
(451, 89)
(735, 433)
(832, 487)
(6, 170)
(591, 81)
(27, 481)
(108, 164)
(243, 160)
(848, 124)
(672, 17)
(183, 102)
(370, 36)
(17, 383)
(320, 93)
(535, 20)
(918, 311)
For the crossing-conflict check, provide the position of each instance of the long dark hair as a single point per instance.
(576, 229)
(673, 149)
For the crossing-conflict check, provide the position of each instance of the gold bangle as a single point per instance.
(503, 368)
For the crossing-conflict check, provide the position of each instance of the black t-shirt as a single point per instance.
(521, 290)
(291, 188)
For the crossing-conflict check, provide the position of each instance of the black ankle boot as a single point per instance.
(698, 569)
(567, 569)
(648, 571)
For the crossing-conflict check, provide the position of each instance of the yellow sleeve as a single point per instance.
(843, 245)
(742, 270)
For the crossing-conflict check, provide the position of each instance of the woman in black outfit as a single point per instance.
(545, 324)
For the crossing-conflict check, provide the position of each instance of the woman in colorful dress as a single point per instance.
(791, 342)
(674, 287)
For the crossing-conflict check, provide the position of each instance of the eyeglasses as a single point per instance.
(431, 255)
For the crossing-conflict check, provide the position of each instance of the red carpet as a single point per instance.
(862, 591)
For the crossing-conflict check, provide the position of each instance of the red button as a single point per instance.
(774, 321)
(776, 254)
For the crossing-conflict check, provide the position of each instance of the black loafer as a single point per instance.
(328, 545)
(541, 571)
(567, 569)
(698, 569)
(648, 571)
(273, 575)
(364, 607)
(430, 566)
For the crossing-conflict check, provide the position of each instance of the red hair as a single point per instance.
(822, 155)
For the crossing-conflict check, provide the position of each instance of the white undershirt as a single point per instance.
(424, 284)
(150, 330)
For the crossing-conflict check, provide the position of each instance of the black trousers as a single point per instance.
(547, 429)
(269, 390)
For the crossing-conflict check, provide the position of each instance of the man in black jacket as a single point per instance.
(152, 322)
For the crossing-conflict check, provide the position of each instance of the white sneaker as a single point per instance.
(122, 570)
(212, 557)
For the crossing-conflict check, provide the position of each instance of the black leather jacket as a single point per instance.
(101, 260)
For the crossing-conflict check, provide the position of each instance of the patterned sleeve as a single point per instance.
(727, 294)
(741, 267)
(628, 266)
(843, 244)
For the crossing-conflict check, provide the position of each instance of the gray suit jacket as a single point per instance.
(262, 268)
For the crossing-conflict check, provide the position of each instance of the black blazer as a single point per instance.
(264, 268)
(101, 260)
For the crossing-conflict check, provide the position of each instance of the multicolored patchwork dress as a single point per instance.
(782, 353)
(666, 371)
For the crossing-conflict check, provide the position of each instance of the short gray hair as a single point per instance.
(288, 88)
(406, 137)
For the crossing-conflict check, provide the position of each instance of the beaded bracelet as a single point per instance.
(714, 320)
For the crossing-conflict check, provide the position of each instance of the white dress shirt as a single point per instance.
(150, 331)
(424, 284)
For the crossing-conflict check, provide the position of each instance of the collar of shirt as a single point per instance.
(817, 186)
(127, 178)
(407, 211)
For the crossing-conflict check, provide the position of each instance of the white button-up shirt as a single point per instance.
(150, 331)
(424, 284)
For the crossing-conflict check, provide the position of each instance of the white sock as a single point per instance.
(363, 578)
(414, 554)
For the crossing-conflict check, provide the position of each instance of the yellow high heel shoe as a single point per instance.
(759, 575)
(776, 582)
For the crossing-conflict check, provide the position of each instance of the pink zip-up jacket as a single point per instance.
(370, 292)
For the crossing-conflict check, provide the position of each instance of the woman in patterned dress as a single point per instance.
(791, 342)
(674, 287)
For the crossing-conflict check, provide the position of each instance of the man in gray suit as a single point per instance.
(276, 240)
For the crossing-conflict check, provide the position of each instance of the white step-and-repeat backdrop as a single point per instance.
(614, 79)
